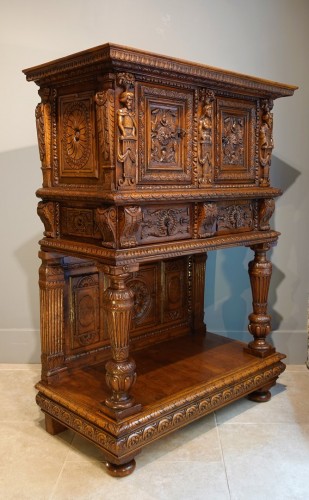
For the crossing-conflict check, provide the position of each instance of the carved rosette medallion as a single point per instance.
(127, 128)
(76, 135)
(142, 299)
(205, 136)
(266, 143)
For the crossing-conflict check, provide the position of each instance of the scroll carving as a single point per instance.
(106, 220)
(128, 130)
(205, 136)
(266, 143)
(43, 127)
(105, 123)
(130, 225)
(47, 213)
(266, 210)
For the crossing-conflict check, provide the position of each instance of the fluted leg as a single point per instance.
(260, 270)
(120, 370)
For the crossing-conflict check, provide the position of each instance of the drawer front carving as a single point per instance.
(235, 141)
(79, 222)
(76, 137)
(165, 135)
(225, 217)
(165, 224)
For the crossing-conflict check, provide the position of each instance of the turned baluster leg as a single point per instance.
(120, 370)
(260, 270)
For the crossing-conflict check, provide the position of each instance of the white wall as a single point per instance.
(266, 38)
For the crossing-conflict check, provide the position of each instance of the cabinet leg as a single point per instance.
(53, 427)
(263, 394)
(120, 370)
(120, 470)
(260, 270)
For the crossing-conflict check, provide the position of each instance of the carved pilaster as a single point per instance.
(52, 282)
(105, 116)
(127, 127)
(199, 268)
(260, 270)
(266, 210)
(205, 137)
(43, 127)
(266, 143)
(120, 370)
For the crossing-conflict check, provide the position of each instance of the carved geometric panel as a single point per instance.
(165, 135)
(175, 290)
(76, 133)
(84, 311)
(235, 141)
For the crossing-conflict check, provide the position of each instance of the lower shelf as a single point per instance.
(178, 381)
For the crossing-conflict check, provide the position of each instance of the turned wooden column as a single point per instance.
(120, 370)
(260, 270)
(52, 282)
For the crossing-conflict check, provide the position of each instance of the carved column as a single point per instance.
(260, 270)
(52, 282)
(120, 370)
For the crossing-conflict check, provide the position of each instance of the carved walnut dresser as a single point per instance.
(148, 163)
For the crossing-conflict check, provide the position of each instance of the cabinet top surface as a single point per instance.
(112, 57)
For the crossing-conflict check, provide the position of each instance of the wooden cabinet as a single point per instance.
(148, 163)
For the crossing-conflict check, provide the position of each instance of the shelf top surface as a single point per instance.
(121, 58)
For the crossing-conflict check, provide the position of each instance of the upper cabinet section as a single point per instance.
(114, 119)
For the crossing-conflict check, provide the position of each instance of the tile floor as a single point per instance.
(245, 451)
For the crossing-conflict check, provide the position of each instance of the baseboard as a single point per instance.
(23, 345)
(19, 345)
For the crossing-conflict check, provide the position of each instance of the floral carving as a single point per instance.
(105, 123)
(43, 126)
(76, 135)
(266, 142)
(233, 217)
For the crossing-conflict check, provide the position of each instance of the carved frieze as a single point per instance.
(266, 143)
(165, 223)
(43, 127)
(205, 136)
(127, 128)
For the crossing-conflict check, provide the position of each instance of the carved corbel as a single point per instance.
(106, 220)
(207, 220)
(266, 210)
(43, 127)
(47, 211)
(127, 128)
(131, 219)
(266, 143)
(205, 136)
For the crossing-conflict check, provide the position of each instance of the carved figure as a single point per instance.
(128, 129)
(266, 140)
(205, 130)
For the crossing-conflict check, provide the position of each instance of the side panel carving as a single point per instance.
(145, 286)
(43, 127)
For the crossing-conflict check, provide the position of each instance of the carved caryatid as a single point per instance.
(106, 220)
(266, 143)
(205, 136)
(128, 130)
(266, 210)
(43, 127)
(105, 123)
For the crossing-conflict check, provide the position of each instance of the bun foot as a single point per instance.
(120, 470)
(260, 396)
